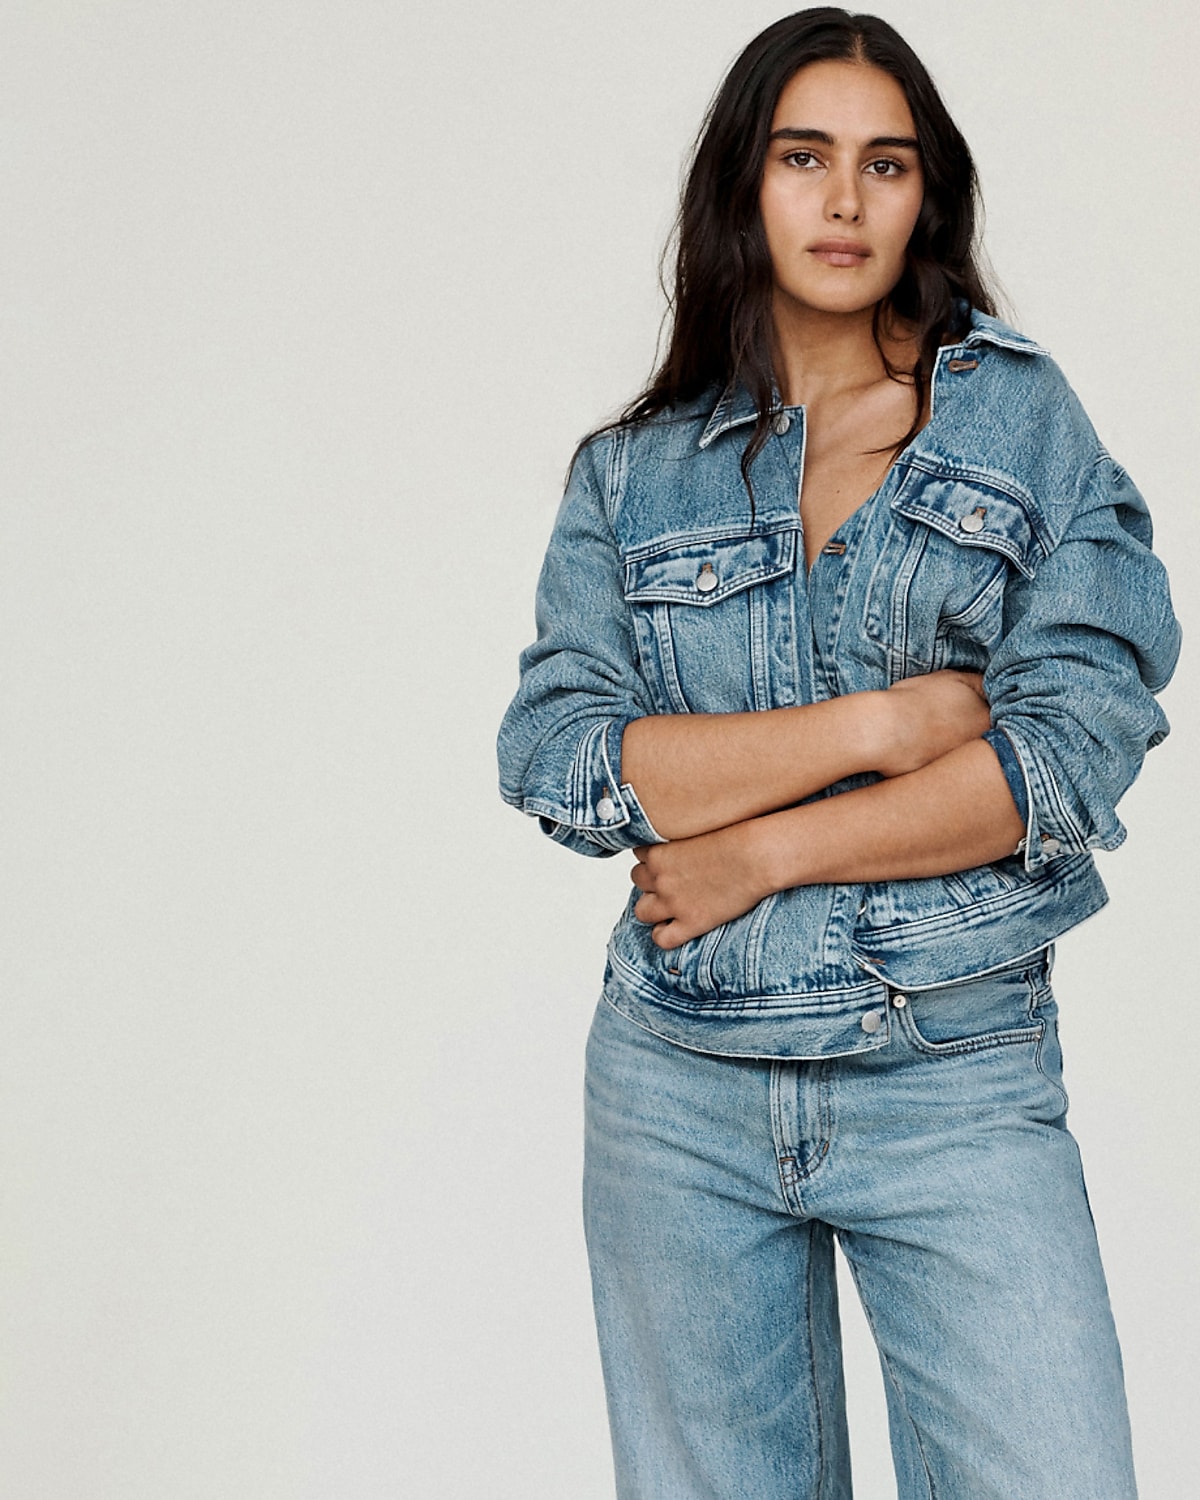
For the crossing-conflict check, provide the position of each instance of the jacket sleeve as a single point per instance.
(1087, 643)
(560, 743)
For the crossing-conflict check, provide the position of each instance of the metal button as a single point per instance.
(1051, 846)
(707, 580)
(872, 1021)
(782, 422)
(973, 522)
(899, 1001)
(606, 809)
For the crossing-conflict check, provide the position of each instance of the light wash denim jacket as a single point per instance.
(1004, 539)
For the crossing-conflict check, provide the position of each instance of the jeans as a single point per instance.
(713, 1189)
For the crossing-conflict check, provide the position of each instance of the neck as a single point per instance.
(822, 354)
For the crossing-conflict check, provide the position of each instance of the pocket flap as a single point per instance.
(705, 569)
(972, 515)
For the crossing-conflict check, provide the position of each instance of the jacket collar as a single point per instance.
(735, 406)
(988, 330)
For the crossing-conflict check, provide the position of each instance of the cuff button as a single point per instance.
(606, 809)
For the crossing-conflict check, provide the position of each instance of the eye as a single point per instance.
(886, 166)
(801, 158)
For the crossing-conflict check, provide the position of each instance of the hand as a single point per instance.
(929, 716)
(692, 885)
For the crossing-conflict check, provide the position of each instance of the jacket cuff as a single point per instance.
(1051, 832)
(1011, 767)
(602, 814)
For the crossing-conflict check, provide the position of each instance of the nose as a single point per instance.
(843, 202)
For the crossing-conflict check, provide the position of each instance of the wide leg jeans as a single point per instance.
(714, 1188)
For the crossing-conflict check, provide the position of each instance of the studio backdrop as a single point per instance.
(305, 306)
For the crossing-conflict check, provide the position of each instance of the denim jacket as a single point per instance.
(1004, 539)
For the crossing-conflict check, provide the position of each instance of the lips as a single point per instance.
(840, 252)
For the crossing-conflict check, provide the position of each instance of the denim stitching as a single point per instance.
(982, 1043)
(661, 616)
(821, 1145)
(812, 1372)
(1041, 994)
(1054, 1084)
(785, 1161)
(758, 624)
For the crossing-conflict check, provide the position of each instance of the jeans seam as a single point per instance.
(812, 1369)
(892, 1381)
(988, 1042)
(820, 1151)
(789, 1176)
(984, 1042)
(1058, 1088)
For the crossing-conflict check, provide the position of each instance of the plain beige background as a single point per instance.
(304, 306)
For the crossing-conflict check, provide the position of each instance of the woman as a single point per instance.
(849, 629)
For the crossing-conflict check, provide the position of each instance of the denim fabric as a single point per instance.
(1004, 539)
(941, 1162)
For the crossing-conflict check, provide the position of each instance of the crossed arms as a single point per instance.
(722, 788)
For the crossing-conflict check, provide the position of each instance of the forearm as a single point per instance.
(953, 814)
(697, 772)
(694, 773)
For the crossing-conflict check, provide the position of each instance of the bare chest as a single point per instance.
(843, 466)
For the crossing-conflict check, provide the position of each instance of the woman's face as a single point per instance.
(841, 187)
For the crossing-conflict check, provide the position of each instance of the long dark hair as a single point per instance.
(721, 307)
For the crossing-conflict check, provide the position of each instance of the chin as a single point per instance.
(845, 305)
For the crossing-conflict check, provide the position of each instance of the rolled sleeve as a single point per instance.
(560, 743)
(1014, 772)
(1087, 643)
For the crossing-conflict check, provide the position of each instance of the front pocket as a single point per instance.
(995, 1010)
(711, 620)
(936, 593)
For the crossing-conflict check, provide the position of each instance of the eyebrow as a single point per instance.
(795, 133)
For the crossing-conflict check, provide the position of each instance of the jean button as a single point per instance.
(707, 580)
(1050, 846)
(872, 1021)
(606, 809)
(974, 522)
(899, 1001)
(782, 423)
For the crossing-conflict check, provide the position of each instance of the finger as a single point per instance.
(669, 935)
(650, 909)
(642, 878)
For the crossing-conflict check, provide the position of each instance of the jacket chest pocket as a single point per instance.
(713, 620)
(936, 593)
